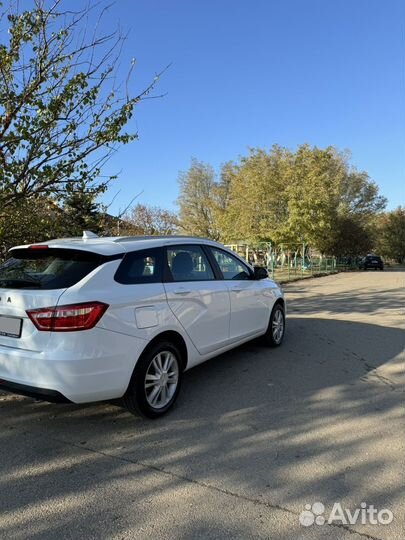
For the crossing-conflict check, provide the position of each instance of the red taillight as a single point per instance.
(38, 246)
(67, 318)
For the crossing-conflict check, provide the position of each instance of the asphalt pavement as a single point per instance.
(255, 436)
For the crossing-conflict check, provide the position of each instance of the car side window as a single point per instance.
(230, 266)
(188, 263)
(143, 266)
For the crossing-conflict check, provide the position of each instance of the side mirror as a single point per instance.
(260, 272)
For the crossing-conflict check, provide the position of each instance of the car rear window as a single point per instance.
(47, 268)
(144, 266)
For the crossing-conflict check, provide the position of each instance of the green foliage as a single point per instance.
(350, 237)
(256, 204)
(311, 195)
(390, 235)
(81, 211)
(34, 220)
(197, 201)
(59, 103)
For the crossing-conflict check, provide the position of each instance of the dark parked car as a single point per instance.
(371, 261)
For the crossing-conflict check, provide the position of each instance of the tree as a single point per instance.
(330, 204)
(33, 220)
(81, 211)
(256, 203)
(390, 235)
(149, 220)
(358, 195)
(350, 237)
(196, 201)
(220, 199)
(310, 195)
(61, 112)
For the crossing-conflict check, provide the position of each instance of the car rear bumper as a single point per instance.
(93, 366)
(34, 392)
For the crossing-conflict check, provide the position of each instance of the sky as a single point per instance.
(255, 73)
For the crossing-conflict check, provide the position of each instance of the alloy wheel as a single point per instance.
(277, 325)
(161, 379)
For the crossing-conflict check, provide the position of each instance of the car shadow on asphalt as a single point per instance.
(280, 425)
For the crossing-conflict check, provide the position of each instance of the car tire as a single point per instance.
(155, 382)
(273, 337)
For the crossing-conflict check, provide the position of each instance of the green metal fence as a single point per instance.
(286, 262)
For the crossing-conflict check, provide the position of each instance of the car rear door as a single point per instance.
(199, 300)
(251, 300)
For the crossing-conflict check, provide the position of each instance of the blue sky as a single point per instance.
(254, 73)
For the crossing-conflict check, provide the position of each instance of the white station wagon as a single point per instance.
(90, 319)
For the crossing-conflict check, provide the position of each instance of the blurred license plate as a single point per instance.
(10, 326)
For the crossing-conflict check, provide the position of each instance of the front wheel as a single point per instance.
(275, 331)
(155, 383)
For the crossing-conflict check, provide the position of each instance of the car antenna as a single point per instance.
(89, 234)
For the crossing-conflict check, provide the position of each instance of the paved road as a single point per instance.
(256, 435)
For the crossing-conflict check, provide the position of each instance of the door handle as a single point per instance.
(181, 290)
(237, 288)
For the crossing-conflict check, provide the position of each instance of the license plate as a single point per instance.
(10, 326)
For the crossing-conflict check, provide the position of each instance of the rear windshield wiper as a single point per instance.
(20, 283)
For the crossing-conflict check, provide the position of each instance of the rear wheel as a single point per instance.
(276, 329)
(155, 383)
